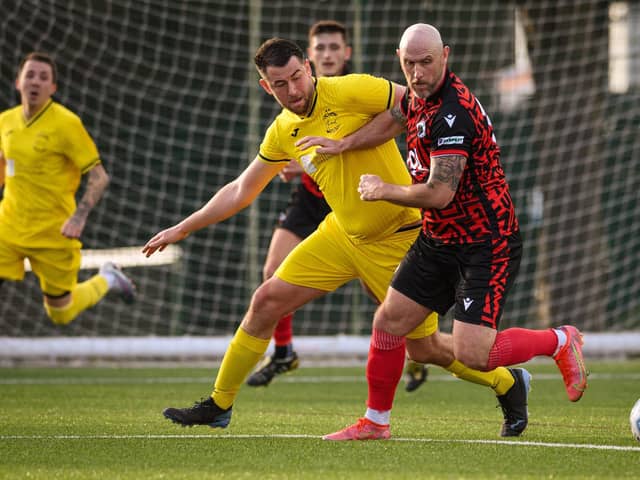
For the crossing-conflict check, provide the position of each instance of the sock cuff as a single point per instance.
(254, 344)
(455, 367)
(385, 341)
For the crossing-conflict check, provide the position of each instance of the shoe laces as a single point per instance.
(201, 403)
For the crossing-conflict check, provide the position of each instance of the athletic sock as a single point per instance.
(384, 369)
(241, 357)
(499, 379)
(562, 339)
(283, 351)
(381, 417)
(83, 296)
(518, 345)
(283, 334)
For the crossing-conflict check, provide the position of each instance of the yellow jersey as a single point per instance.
(45, 159)
(340, 106)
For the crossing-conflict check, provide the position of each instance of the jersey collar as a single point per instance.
(313, 102)
(35, 118)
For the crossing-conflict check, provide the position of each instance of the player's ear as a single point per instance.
(347, 53)
(265, 86)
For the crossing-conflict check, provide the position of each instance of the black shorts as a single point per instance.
(474, 277)
(304, 212)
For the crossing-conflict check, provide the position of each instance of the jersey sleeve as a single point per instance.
(452, 132)
(404, 103)
(79, 147)
(366, 94)
(270, 150)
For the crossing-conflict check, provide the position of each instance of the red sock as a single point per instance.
(384, 368)
(284, 330)
(517, 345)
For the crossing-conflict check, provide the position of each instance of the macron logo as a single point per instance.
(467, 303)
(450, 118)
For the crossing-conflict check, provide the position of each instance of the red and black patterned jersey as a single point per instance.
(453, 122)
(310, 184)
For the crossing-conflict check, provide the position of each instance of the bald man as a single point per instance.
(469, 249)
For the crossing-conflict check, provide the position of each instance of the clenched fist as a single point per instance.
(371, 187)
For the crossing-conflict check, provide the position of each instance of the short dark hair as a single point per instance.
(328, 26)
(276, 52)
(44, 58)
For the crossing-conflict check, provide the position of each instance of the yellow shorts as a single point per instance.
(328, 258)
(56, 268)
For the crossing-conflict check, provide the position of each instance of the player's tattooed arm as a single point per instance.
(447, 170)
(437, 192)
(97, 181)
(398, 116)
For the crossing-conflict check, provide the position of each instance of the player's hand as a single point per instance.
(324, 144)
(292, 170)
(371, 187)
(160, 240)
(73, 227)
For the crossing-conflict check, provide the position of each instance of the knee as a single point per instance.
(265, 299)
(260, 296)
(381, 319)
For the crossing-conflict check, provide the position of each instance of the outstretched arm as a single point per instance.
(230, 199)
(382, 128)
(438, 192)
(97, 181)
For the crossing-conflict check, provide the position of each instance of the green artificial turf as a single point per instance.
(106, 423)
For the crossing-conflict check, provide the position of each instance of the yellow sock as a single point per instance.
(83, 296)
(499, 379)
(244, 352)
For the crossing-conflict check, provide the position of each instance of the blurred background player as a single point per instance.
(44, 151)
(329, 53)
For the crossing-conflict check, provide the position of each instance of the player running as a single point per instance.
(329, 53)
(357, 240)
(44, 151)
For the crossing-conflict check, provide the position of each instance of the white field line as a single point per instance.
(284, 379)
(581, 446)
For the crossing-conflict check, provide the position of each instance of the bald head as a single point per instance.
(423, 59)
(421, 35)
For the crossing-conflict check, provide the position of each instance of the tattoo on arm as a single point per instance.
(97, 180)
(448, 169)
(398, 116)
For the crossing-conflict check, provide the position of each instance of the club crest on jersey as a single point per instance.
(41, 142)
(330, 121)
(421, 126)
